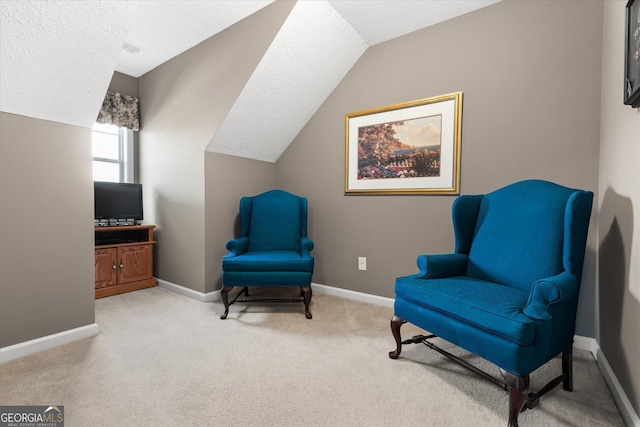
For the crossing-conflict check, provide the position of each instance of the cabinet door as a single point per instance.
(135, 263)
(106, 267)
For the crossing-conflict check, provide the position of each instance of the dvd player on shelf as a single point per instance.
(114, 222)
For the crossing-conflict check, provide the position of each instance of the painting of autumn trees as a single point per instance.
(403, 149)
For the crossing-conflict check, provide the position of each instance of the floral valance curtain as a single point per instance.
(119, 110)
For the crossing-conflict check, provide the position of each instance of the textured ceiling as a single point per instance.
(313, 51)
(57, 57)
(380, 20)
(164, 29)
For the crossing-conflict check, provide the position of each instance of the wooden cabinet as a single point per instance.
(123, 259)
(106, 267)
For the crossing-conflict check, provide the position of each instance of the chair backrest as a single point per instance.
(528, 231)
(273, 221)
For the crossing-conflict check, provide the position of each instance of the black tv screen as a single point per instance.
(117, 200)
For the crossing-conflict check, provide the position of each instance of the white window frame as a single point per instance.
(126, 158)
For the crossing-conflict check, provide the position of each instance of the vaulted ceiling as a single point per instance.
(57, 57)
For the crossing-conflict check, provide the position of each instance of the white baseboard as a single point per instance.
(586, 343)
(353, 295)
(579, 342)
(582, 343)
(629, 415)
(200, 296)
(44, 343)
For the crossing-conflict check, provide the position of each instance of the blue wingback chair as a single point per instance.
(509, 293)
(272, 249)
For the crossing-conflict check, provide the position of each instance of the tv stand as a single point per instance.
(123, 259)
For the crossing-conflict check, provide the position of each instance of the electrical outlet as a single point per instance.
(362, 263)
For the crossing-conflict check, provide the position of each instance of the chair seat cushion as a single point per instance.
(488, 306)
(268, 261)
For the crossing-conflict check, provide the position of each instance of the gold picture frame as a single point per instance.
(632, 55)
(407, 148)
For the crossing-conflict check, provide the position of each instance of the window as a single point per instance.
(112, 153)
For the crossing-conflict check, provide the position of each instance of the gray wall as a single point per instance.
(228, 178)
(183, 102)
(530, 73)
(46, 228)
(619, 220)
(530, 110)
(123, 84)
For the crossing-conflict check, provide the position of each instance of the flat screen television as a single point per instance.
(117, 201)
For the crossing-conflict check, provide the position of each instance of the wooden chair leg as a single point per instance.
(306, 292)
(567, 368)
(224, 293)
(518, 388)
(396, 323)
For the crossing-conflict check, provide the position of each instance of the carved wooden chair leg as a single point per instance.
(567, 368)
(518, 387)
(396, 323)
(224, 293)
(306, 292)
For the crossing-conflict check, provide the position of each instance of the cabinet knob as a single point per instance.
(114, 266)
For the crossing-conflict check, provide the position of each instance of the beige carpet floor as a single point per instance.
(162, 359)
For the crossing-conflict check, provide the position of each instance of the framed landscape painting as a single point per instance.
(632, 55)
(408, 148)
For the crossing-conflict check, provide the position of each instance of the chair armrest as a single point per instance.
(551, 290)
(306, 246)
(237, 246)
(443, 265)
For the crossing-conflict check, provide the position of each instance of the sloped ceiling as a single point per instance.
(314, 50)
(57, 57)
(162, 30)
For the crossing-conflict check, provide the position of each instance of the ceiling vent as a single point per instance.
(131, 48)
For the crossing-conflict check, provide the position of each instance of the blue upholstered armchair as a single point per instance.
(273, 248)
(509, 293)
